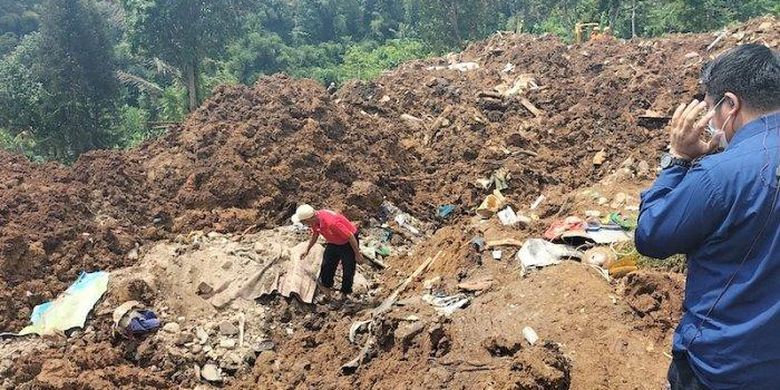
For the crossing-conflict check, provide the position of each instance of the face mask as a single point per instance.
(718, 134)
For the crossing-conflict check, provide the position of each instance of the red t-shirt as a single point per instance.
(334, 227)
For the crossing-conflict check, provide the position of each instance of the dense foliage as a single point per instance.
(82, 74)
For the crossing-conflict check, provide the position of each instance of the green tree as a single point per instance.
(62, 88)
(76, 68)
(21, 92)
(183, 33)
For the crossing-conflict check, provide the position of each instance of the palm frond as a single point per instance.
(138, 82)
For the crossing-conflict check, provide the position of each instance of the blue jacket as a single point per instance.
(713, 213)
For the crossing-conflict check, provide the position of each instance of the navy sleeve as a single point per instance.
(678, 213)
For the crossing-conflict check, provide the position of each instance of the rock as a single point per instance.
(133, 254)
(227, 343)
(227, 264)
(266, 357)
(628, 163)
(226, 328)
(213, 235)
(5, 366)
(231, 363)
(171, 327)
(196, 348)
(202, 335)
(205, 289)
(692, 54)
(210, 373)
(183, 338)
(250, 358)
(593, 213)
(440, 343)
(619, 201)
(600, 158)
(602, 201)
(265, 345)
(766, 26)
(286, 316)
(406, 333)
(643, 170)
(234, 358)
(429, 283)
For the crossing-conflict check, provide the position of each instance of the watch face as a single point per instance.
(666, 161)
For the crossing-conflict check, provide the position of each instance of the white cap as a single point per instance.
(303, 213)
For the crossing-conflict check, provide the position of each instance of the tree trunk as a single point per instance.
(633, 19)
(614, 9)
(192, 85)
(454, 19)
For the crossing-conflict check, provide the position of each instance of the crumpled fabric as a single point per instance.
(559, 227)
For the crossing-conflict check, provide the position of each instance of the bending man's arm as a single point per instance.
(313, 240)
(356, 248)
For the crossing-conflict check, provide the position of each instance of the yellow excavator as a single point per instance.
(579, 28)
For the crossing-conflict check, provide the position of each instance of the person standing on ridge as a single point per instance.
(342, 245)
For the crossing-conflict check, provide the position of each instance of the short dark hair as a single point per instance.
(752, 72)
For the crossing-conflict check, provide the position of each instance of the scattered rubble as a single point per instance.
(171, 219)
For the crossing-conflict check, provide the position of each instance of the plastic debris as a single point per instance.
(71, 308)
(131, 319)
(530, 335)
(622, 267)
(444, 211)
(540, 253)
(608, 236)
(508, 217)
(624, 222)
(497, 254)
(537, 202)
(447, 305)
(559, 227)
(478, 243)
(500, 179)
(600, 256)
(383, 251)
(491, 205)
(484, 183)
(401, 220)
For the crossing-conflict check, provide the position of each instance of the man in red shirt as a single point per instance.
(341, 236)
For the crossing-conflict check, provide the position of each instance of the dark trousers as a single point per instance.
(681, 375)
(330, 260)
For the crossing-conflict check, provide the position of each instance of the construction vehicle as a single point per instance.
(579, 29)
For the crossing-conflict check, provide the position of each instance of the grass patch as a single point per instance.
(676, 263)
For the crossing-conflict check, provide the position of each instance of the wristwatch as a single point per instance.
(668, 161)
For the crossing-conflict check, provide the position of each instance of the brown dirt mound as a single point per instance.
(655, 297)
(249, 155)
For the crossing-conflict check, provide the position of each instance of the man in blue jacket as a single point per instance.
(722, 211)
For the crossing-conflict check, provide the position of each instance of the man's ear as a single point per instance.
(733, 104)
